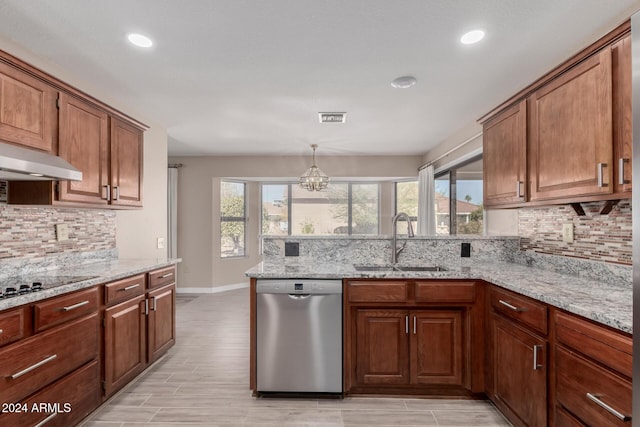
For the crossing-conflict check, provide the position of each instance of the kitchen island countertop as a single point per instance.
(606, 303)
(99, 272)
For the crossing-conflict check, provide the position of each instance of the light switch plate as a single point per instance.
(62, 232)
(567, 233)
(160, 242)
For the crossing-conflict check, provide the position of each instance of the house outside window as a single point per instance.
(458, 198)
(342, 209)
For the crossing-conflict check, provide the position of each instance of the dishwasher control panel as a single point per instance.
(298, 286)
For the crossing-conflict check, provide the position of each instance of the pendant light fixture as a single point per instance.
(313, 179)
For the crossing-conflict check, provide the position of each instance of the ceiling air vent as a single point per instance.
(332, 117)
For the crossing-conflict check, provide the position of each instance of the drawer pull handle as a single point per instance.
(74, 306)
(518, 194)
(116, 190)
(46, 420)
(414, 325)
(536, 365)
(146, 307)
(128, 288)
(164, 276)
(108, 196)
(406, 324)
(32, 367)
(153, 300)
(512, 307)
(618, 415)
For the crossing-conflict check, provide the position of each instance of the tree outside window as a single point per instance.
(232, 219)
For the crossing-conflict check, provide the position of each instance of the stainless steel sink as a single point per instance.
(398, 268)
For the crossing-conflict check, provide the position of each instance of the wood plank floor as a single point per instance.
(204, 378)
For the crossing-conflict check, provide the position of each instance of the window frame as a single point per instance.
(244, 219)
(451, 170)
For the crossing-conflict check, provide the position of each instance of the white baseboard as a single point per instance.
(212, 290)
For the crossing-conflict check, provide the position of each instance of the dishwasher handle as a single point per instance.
(299, 296)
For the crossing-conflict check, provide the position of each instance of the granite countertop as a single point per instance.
(100, 272)
(609, 304)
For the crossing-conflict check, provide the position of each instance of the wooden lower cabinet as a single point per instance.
(125, 335)
(64, 403)
(436, 347)
(403, 347)
(519, 373)
(382, 347)
(161, 325)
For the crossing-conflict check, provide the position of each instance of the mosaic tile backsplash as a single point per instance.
(29, 232)
(596, 237)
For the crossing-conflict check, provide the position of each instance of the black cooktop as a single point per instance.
(20, 285)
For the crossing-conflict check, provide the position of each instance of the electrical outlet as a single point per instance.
(465, 250)
(160, 242)
(567, 233)
(62, 232)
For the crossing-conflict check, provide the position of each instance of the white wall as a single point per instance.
(136, 230)
(199, 205)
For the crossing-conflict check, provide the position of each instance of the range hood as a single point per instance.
(23, 164)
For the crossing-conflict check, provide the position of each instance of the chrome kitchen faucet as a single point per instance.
(395, 251)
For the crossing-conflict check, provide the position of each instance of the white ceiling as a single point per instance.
(249, 77)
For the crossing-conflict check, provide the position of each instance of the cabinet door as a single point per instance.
(571, 132)
(519, 372)
(126, 164)
(436, 347)
(504, 157)
(382, 347)
(28, 113)
(162, 328)
(125, 343)
(622, 114)
(84, 143)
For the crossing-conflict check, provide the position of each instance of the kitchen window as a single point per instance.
(407, 201)
(458, 199)
(343, 208)
(233, 219)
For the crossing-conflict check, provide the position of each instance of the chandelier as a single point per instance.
(313, 179)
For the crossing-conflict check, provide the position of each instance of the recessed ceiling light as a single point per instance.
(139, 40)
(403, 82)
(472, 37)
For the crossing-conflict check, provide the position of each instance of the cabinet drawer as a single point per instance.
(35, 362)
(378, 291)
(603, 345)
(72, 397)
(12, 325)
(124, 289)
(61, 309)
(564, 419)
(520, 308)
(580, 383)
(444, 291)
(162, 277)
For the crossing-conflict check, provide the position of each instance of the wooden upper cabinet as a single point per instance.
(570, 145)
(28, 113)
(504, 157)
(126, 163)
(84, 142)
(622, 114)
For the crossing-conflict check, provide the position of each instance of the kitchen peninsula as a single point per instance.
(507, 323)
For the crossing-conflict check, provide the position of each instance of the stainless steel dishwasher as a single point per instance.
(299, 336)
